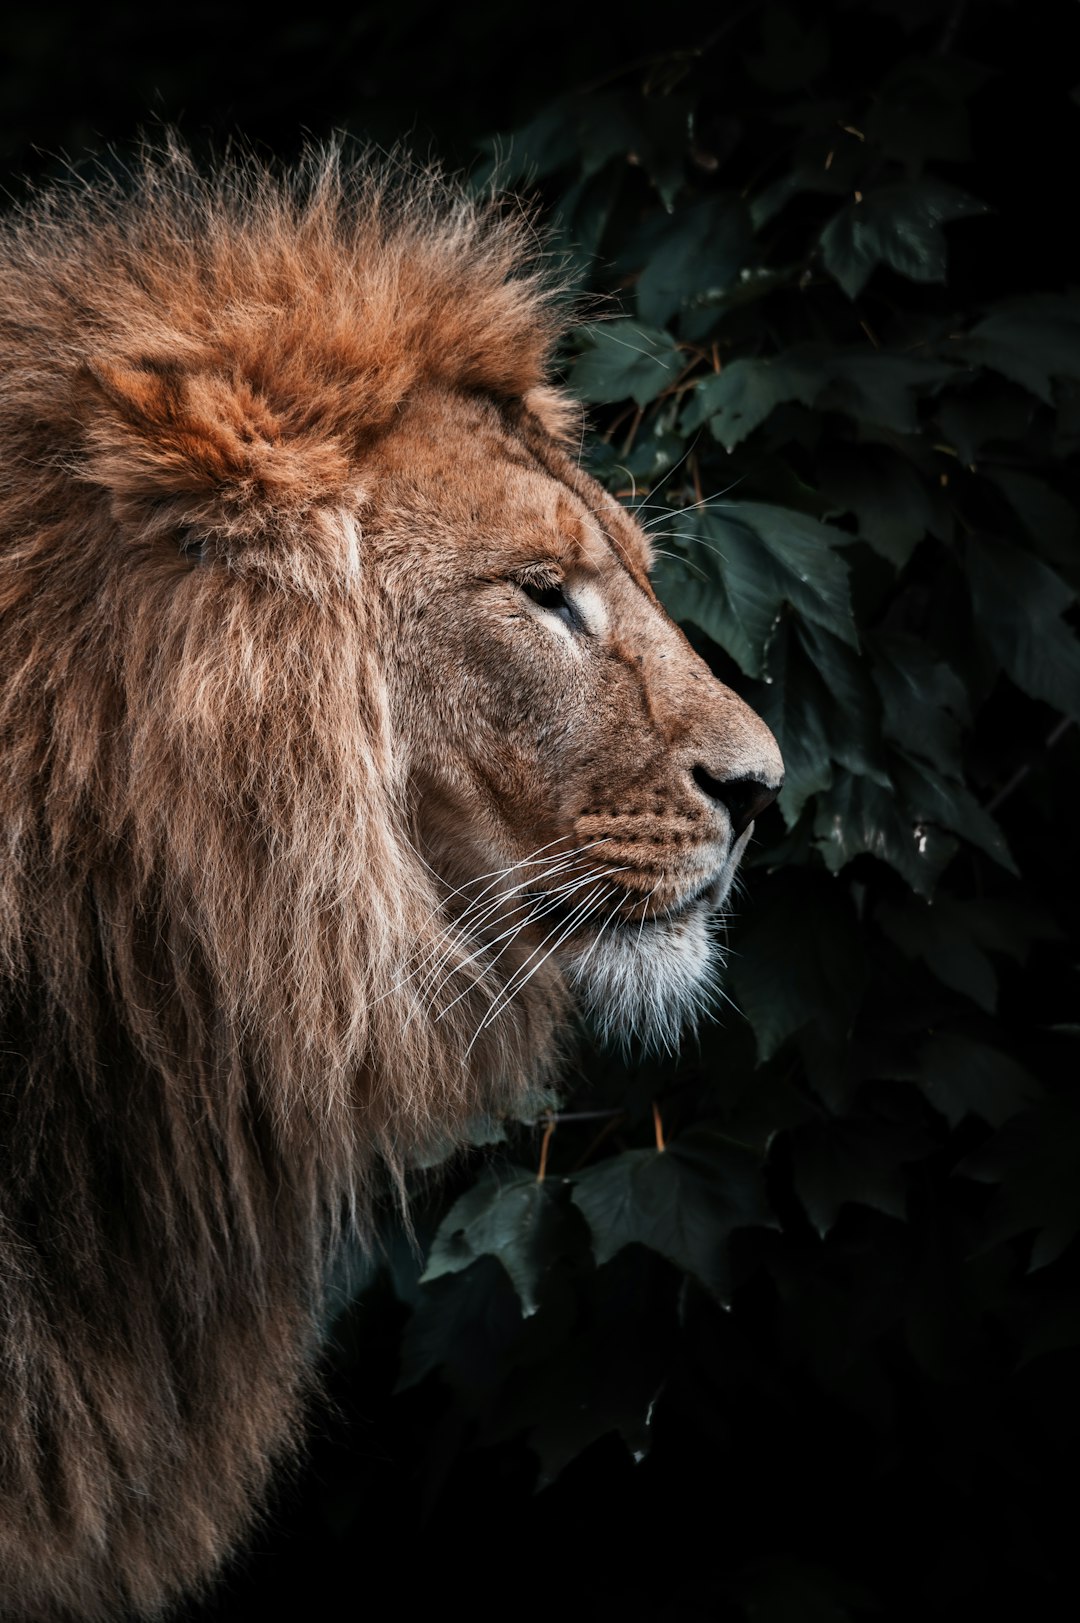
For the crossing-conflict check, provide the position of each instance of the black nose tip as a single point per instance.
(742, 798)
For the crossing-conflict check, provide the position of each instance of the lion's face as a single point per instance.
(565, 742)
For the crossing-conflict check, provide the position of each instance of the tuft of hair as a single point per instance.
(212, 916)
(632, 993)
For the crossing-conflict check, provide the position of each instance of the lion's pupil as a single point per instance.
(552, 598)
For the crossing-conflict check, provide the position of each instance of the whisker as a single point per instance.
(551, 901)
(517, 982)
(467, 925)
(706, 501)
(457, 932)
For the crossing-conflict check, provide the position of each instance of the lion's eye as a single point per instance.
(553, 599)
(193, 545)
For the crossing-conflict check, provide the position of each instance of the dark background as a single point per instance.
(876, 1417)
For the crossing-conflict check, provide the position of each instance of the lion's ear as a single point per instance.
(155, 427)
(558, 414)
(162, 428)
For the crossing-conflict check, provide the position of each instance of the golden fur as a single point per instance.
(338, 723)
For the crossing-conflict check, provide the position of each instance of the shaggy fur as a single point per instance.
(281, 495)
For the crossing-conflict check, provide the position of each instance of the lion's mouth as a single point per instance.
(627, 912)
(599, 906)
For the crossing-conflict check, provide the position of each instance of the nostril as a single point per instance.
(743, 798)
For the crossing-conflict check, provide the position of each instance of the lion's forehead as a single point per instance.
(506, 497)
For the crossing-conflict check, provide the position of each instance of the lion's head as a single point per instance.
(346, 751)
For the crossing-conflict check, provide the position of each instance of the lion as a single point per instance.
(348, 757)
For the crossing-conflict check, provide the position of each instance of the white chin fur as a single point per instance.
(653, 984)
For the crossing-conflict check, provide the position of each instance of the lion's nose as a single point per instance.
(742, 798)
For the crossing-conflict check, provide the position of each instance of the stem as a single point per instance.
(1055, 734)
(545, 1145)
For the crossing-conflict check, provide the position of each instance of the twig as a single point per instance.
(658, 1125)
(609, 433)
(634, 426)
(696, 477)
(545, 1145)
(1056, 733)
(582, 1115)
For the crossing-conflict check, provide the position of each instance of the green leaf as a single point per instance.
(738, 566)
(962, 1077)
(981, 413)
(1018, 602)
(892, 503)
(897, 226)
(923, 698)
(624, 360)
(739, 399)
(583, 214)
(874, 386)
(541, 147)
(919, 111)
(933, 934)
(803, 722)
(857, 817)
(955, 936)
(682, 1202)
(821, 708)
(697, 256)
(586, 1387)
(461, 1328)
(858, 1161)
(931, 798)
(800, 961)
(1034, 1161)
(512, 1219)
(1030, 340)
(1047, 516)
(870, 386)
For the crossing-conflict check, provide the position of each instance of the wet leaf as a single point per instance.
(896, 226)
(858, 817)
(931, 798)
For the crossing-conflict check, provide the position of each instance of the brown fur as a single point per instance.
(276, 460)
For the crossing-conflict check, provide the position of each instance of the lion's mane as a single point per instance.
(210, 1054)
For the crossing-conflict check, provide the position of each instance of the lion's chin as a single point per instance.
(647, 985)
(651, 984)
